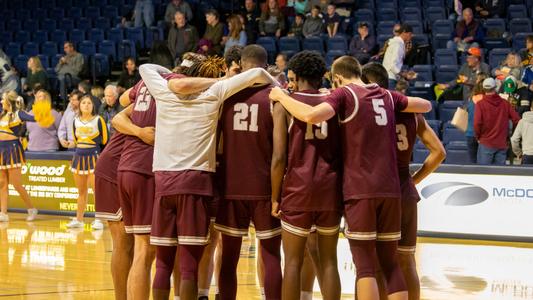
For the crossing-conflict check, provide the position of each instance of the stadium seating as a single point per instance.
(387, 14)
(49, 49)
(435, 125)
(442, 27)
(289, 45)
(126, 48)
(314, 43)
(269, 43)
(45, 60)
(48, 25)
(21, 64)
(135, 34)
(40, 36)
(58, 36)
(13, 49)
(445, 57)
(519, 25)
(96, 35)
(76, 36)
(452, 134)
(30, 49)
(517, 11)
(66, 24)
(457, 153)
(30, 25)
(337, 43)
(447, 110)
(425, 72)
(108, 47)
(496, 56)
(153, 34)
(22, 37)
(87, 48)
(411, 14)
(420, 153)
(364, 15)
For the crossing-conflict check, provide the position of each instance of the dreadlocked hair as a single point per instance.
(211, 67)
(187, 61)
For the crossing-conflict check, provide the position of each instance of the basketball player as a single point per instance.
(371, 185)
(408, 127)
(184, 170)
(246, 124)
(311, 189)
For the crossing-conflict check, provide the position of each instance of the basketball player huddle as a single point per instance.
(221, 153)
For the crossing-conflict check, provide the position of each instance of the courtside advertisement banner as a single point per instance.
(50, 185)
(492, 205)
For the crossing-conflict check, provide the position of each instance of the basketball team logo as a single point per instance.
(463, 194)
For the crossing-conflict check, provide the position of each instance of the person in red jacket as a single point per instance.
(491, 125)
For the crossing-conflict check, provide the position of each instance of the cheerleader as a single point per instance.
(90, 132)
(12, 119)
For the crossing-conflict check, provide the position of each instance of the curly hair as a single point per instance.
(233, 55)
(310, 66)
(212, 67)
(188, 59)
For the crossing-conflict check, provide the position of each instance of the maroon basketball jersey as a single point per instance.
(137, 155)
(246, 123)
(369, 140)
(406, 124)
(107, 163)
(312, 181)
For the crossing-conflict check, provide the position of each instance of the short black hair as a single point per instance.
(346, 66)
(233, 55)
(375, 73)
(213, 12)
(405, 28)
(529, 38)
(317, 7)
(362, 24)
(256, 54)
(310, 66)
(300, 15)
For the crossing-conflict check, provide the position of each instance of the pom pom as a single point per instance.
(42, 111)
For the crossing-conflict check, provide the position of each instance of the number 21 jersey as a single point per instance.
(368, 131)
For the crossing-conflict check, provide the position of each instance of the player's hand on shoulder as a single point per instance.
(276, 212)
(147, 135)
(276, 93)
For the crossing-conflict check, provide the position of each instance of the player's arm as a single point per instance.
(301, 111)
(436, 150)
(417, 105)
(226, 88)
(190, 85)
(279, 156)
(516, 140)
(123, 124)
(156, 84)
(125, 99)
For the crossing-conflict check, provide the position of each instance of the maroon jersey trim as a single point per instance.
(355, 108)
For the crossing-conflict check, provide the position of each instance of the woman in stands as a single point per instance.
(36, 76)
(12, 120)
(129, 76)
(90, 133)
(477, 95)
(236, 34)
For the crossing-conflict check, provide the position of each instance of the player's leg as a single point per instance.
(15, 178)
(407, 247)
(408, 266)
(207, 264)
(293, 249)
(121, 258)
(81, 182)
(190, 256)
(143, 257)
(176, 279)
(4, 191)
(164, 266)
(260, 267)
(327, 224)
(307, 276)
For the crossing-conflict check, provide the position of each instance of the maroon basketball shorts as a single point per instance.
(302, 223)
(137, 193)
(234, 218)
(106, 200)
(181, 219)
(373, 219)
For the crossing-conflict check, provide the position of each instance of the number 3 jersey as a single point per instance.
(246, 126)
(313, 178)
(368, 131)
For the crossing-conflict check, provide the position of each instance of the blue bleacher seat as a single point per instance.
(39, 14)
(450, 134)
(314, 43)
(110, 12)
(40, 36)
(6, 37)
(385, 27)
(23, 14)
(96, 35)
(107, 47)
(289, 45)
(519, 40)
(425, 72)
(136, 35)
(54, 60)
(92, 12)
(440, 40)
(81, 3)
(22, 37)
(411, 14)
(332, 55)
(13, 49)
(445, 57)
(366, 4)
(417, 26)
(420, 39)
(387, 14)
(87, 48)
(31, 4)
(436, 126)
(434, 14)
(48, 4)
(102, 23)
(387, 3)
(442, 27)
(447, 110)
(15, 5)
(84, 24)
(495, 24)
(269, 44)
(56, 13)
(519, 25)
(100, 3)
(516, 11)
(30, 49)
(66, 24)
(337, 43)
(115, 34)
(8, 14)
(21, 64)
(13, 25)
(382, 38)
(48, 25)
(494, 43)
(434, 3)
(53, 83)
(364, 15)
(2, 25)
(446, 73)
(30, 25)
(49, 48)
(420, 153)
(152, 34)
(45, 60)
(496, 56)
(116, 2)
(99, 64)
(126, 48)
(457, 153)
(410, 3)
(58, 36)
(76, 36)
(75, 12)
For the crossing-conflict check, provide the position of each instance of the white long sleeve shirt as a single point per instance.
(185, 137)
(393, 60)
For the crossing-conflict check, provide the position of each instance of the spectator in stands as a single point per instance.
(129, 76)
(272, 21)
(252, 14)
(69, 67)
(143, 13)
(332, 20)
(302, 6)
(518, 94)
(476, 96)
(43, 139)
(363, 45)
(486, 9)
(522, 139)
(84, 87)
(395, 54)
(281, 62)
(210, 43)
(236, 34)
(510, 66)
(174, 6)
(36, 76)
(491, 125)
(468, 33)
(322, 5)
(461, 87)
(8, 76)
(97, 93)
(297, 27)
(527, 54)
(110, 107)
(381, 53)
(65, 130)
(182, 37)
(313, 25)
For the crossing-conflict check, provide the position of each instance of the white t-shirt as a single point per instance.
(393, 60)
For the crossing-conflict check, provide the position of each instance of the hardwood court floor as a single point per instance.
(43, 260)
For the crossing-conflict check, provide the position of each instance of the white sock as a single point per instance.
(263, 294)
(203, 292)
(217, 290)
(306, 295)
(176, 297)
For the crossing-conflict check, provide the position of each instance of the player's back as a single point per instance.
(108, 160)
(369, 148)
(406, 125)
(312, 180)
(246, 125)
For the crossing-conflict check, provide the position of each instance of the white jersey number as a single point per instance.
(381, 114)
(320, 133)
(402, 142)
(240, 119)
(144, 98)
